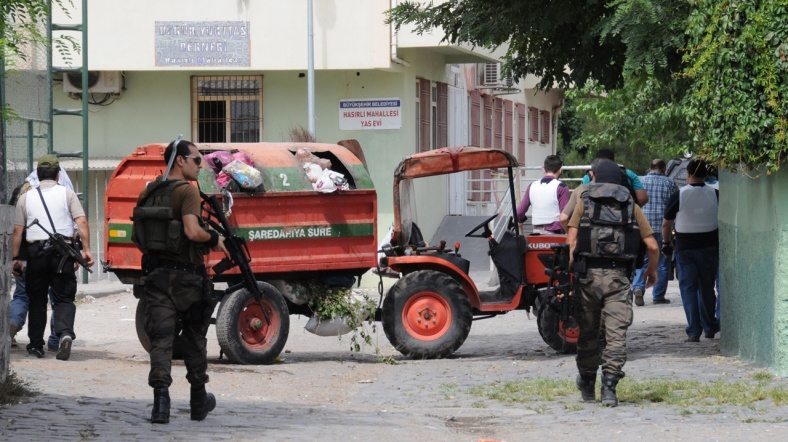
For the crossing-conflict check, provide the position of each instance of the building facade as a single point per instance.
(235, 71)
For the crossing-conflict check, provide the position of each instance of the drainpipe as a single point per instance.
(394, 40)
(556, 115)
(310, 91)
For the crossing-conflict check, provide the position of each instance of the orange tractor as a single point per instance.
(294, 239)
(429, 311)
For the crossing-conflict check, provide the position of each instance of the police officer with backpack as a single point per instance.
(605, 235)
(169, 231)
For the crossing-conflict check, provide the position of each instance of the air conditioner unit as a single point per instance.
(491, 76)
(99, 82)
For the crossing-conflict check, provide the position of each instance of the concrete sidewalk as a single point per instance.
(98, 289)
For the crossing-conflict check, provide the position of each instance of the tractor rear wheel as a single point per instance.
(560, 335)
(427, 315)
(142, 335)
(252, 332)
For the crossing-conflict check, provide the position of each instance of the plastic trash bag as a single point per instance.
(327, 327)
(245, 175)
(217, 160)
(313, 171)
(243, 157)
(330, 181)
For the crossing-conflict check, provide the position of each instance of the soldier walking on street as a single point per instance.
(169, 231)
(605, 235)
(47, 212)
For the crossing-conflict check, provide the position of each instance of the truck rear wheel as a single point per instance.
(427, 315)
(243, 332)
(142, 335)
(560, 335)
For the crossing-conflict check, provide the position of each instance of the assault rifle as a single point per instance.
(236, 249)
(560, 285)
(65, 249)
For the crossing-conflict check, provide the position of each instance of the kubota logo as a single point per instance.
(542, 245)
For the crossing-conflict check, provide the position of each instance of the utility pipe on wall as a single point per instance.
(310, 91)
(395, 40)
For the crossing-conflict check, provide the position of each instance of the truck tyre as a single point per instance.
(559, 335)
(427, 315)
(139, 324)
(242, 330)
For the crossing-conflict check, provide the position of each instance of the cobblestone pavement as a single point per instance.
(320, 390)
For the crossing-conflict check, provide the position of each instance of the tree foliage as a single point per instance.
(21, 23)
(622, 53)
(707, 76)
(560, 41)
(737, 61)
(644, 115)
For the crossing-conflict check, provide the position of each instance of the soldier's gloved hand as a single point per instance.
(667, 249)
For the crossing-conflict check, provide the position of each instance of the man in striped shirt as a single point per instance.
(659, 188)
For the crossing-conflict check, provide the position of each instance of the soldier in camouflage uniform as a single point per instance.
(603, 279)
(177, 287)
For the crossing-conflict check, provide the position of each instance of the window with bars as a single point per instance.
(533, 124)
(431, 114)
(544, 137)
(227, 108)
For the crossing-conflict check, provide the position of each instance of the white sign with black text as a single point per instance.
(370, 114)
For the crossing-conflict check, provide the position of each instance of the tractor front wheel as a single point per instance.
(427, 315)
(252, 332)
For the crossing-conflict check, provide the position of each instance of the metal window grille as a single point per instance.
(498, 123)
(425, 112)
(443, 115)
(533, 123)
(521, 133)
(545, 133)
(227, 109)
(487, 101)
(508, 123)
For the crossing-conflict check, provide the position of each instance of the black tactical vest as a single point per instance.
(608, 228)
(156, 230)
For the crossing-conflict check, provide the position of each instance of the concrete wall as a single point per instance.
(6, 215)
(156, 107)
(347, 33)
(754, 268)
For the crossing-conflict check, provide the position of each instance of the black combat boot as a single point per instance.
(201, 402)
(161, 406)
(585, 383)
(609, 383)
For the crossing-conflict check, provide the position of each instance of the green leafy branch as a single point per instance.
(355, 310)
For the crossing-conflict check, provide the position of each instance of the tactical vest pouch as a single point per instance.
(156, 229)
(608, 228)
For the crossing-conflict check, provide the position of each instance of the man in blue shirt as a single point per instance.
(659, 188)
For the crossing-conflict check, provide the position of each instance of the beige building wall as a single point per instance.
(356, 56)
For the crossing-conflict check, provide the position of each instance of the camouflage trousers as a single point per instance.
(175, 301)
(605, 308)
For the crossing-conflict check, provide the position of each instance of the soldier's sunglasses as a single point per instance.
(197, 159)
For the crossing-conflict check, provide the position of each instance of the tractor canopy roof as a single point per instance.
(450, 160)
(437, 162)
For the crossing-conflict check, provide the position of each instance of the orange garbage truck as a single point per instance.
(295, 235)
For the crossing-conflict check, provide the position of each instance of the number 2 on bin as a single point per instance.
(284, 180)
